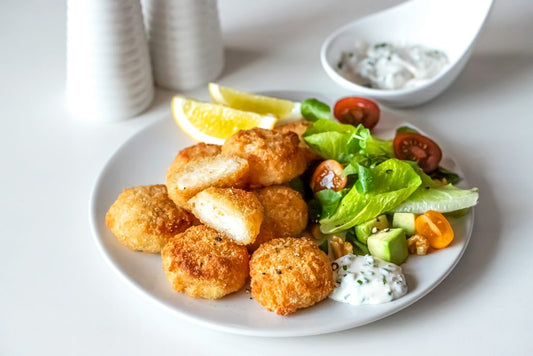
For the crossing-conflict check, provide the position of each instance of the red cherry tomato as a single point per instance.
(354, 111)
(413, 146)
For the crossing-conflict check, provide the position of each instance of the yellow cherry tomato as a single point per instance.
(435, 227)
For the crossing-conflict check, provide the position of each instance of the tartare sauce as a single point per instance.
(367, 280)
(389, 66)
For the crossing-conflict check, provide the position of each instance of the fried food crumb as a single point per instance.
(299, 127)
(274, 157)
(143, 218)
(234, 212)
(200, 150)
(289, 273)
(286, 214)
(199, 174)
(203, 264)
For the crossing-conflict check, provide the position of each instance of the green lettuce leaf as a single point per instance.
(434, 196)
(393, 182)
(365, 179)
(374, 146)
(332, 140)
(344, 143)
(329, 201)
(444, 199)
(313, 110)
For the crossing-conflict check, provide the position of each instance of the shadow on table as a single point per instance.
(238, 58)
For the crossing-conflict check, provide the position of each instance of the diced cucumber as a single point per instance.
(364, 230)
(405, 221)
(389, 245)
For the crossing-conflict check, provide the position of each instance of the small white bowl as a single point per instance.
(450, 26)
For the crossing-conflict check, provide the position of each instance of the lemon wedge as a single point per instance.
(212, 123)
(264, 105)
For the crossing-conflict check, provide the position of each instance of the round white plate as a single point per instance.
(143, 160)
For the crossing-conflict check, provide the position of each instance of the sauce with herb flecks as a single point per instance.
(367, 280)
(389, 66)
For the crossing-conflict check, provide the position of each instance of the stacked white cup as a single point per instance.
(109, 75)
(185, 42)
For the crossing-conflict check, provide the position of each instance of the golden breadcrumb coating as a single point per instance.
(299, 127)
(236, 213)
(200, 150)
(202, 263)
(201, 173)
(289, 274)
(143, 218)
(274, 157)
(286, 214)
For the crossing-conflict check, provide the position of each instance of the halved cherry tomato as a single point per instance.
(354, 111)
(413, 146)
(435, 227)
(328, 175)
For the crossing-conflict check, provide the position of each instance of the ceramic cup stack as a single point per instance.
(185, 42)
(109, 75)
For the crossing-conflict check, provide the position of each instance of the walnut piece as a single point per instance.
(418, 245)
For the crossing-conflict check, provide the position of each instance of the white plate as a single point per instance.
(143, 160)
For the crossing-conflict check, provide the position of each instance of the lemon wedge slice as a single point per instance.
(212, 123)
(264, 105)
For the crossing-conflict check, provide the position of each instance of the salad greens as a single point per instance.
(432, 195)
(344, 143)
(329, 201)
(394, 182)
(379, 182)
(444, 199)
(313, 110)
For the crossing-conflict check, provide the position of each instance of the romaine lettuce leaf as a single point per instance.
(393, 182)
(371, 145)
(332, 140)
(329, 201)
(343, 143)
(444, 199)
(434, 196)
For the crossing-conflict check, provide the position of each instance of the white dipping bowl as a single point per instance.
(451, 26)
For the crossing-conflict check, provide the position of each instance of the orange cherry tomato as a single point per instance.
(328, 175)
(435, 227)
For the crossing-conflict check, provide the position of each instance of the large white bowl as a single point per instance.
(451, 26)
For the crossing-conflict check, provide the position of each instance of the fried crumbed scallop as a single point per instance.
(143, 218)
(200, 150)
(274, 157)
(199, 174)
(286, 214)
(202, 263)
(289, 274)
(236, 213)
(299, 127)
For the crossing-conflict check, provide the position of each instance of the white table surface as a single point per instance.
(59, 297)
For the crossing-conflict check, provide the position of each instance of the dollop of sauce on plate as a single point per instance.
(389, 66)
(367, 280)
